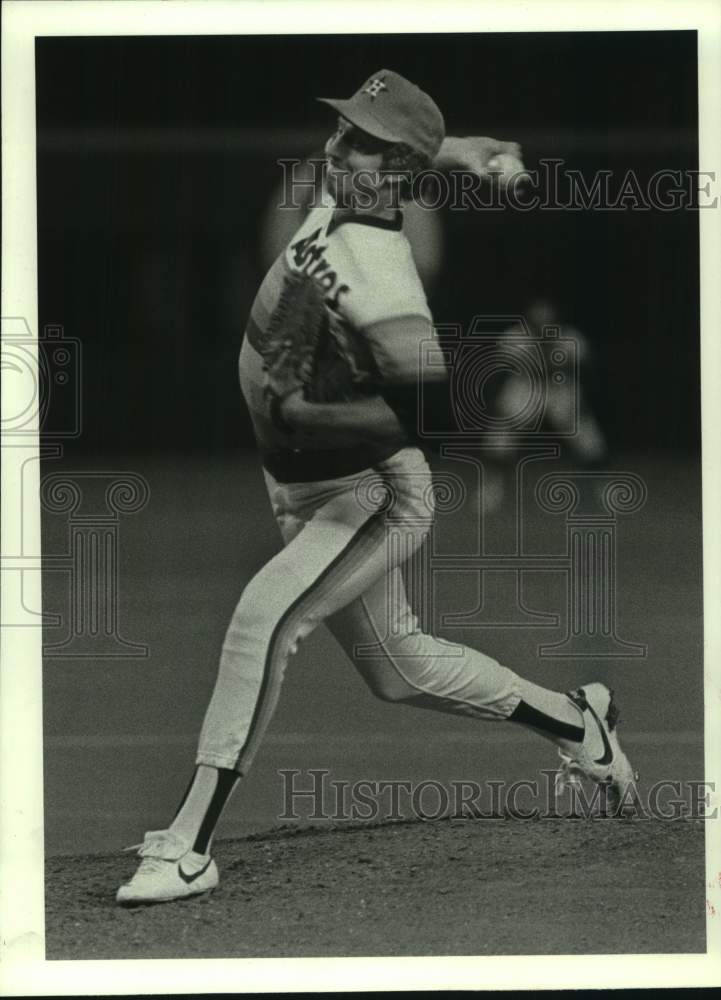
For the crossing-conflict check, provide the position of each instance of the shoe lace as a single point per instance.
(151, 866)
(568, 774)
(150, 850)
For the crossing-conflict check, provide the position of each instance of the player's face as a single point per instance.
(353, 159)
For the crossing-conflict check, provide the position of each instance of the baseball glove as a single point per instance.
(307, 348)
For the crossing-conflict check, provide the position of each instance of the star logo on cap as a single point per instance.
(374, 88)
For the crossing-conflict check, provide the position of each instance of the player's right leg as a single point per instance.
(329, 560)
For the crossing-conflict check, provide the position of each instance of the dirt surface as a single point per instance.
(120, 737)
(449, 887)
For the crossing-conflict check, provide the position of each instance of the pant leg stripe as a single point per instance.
(365, 539)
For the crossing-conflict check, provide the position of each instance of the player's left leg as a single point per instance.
(402, 663)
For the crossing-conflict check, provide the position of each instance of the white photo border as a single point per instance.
(23, 970)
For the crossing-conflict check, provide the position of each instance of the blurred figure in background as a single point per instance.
(567, 375)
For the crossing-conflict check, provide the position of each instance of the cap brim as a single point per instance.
(361, 118)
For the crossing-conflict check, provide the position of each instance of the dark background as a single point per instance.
(157, 159)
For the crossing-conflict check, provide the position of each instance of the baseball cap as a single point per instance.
(392, 108)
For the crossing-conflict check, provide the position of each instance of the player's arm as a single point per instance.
(406, 352)
(398, 347)
(368, 420)
(411, 366)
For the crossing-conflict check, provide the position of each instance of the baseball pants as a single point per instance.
(345, 543)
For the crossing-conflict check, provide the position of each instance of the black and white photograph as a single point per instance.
(360, 387)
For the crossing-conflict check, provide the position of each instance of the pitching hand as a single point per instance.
(474, 152)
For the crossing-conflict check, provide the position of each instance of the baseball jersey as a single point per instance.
(372, 290)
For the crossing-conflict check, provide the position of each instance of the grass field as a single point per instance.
(119, 742)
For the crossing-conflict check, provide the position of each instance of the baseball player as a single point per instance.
(351, 493)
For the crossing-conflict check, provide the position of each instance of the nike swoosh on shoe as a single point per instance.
(579, 698)
(607, 751)
(189, 879)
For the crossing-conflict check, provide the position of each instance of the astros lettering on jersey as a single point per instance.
(374, 297)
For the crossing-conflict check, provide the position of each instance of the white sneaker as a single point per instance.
(599, 756)
(169, 870)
